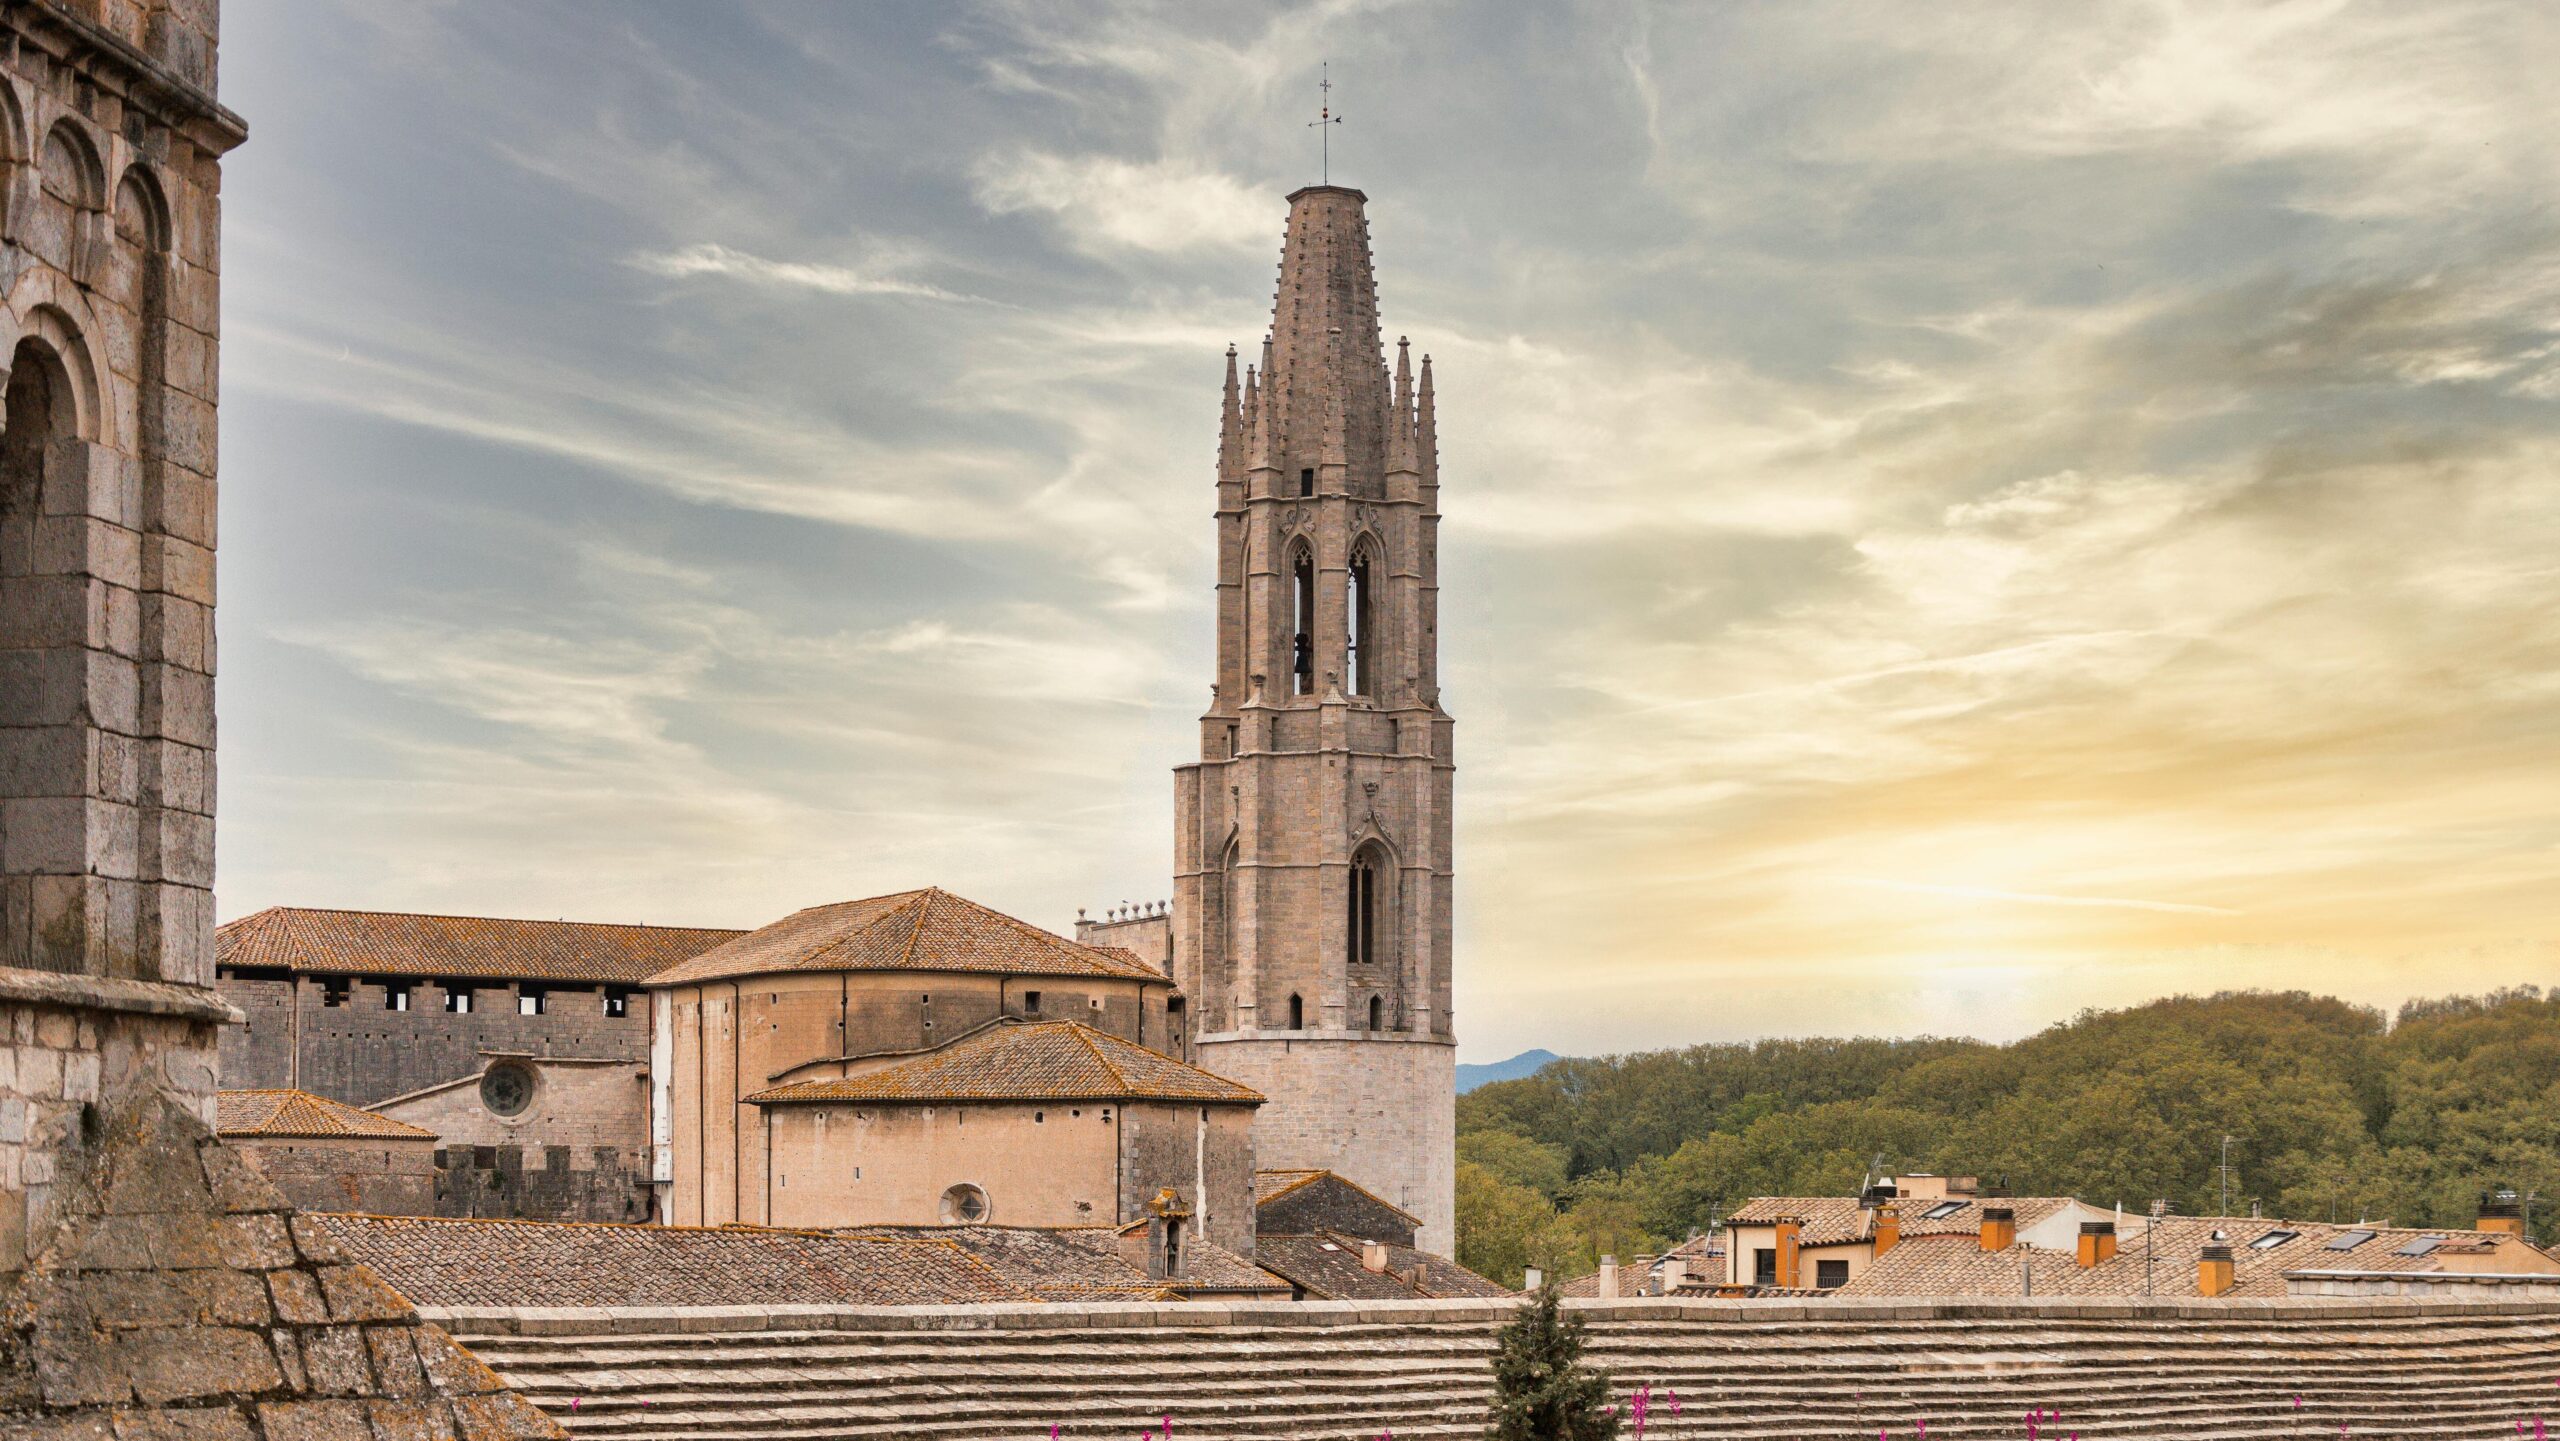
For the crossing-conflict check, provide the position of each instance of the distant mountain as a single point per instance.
(1524, 1064)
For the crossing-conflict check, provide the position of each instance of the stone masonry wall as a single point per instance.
(178, 1296)
(1381, 1112)
(361, 1051)
(377, 1177)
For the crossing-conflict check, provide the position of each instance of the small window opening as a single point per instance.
(530, 1002)
(617, 1003)
(1031, 1001)
(458, 1001)
(333, 993)
(1377, 1013)
(1830, 1275)
(1306, 482)
(1297, 1014)
(395, 998)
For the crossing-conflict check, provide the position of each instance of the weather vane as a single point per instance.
(1325, 118)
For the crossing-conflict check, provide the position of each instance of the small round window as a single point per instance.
(964, 1205)
(507, 1088)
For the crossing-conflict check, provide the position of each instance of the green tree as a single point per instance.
(1542, 1390)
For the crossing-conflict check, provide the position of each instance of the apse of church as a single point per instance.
(1313, 859)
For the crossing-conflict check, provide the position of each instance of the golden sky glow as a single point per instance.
(1952, 519)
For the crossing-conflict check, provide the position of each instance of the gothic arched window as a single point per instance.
(1362, 663)
(1361, 925)
(1302, 656)
(1297, 1014)
(35, 413)
(1377, 1013)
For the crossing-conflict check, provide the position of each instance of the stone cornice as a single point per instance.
(176, 102)
(106, 993)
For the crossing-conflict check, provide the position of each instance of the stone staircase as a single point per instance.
(1751, 1369)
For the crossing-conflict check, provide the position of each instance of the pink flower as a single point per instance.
(2297, 1403)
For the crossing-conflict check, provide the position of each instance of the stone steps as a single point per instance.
(1848, 1371)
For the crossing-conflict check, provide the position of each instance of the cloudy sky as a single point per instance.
(1951, 519)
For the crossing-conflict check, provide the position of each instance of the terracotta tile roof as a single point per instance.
(440, 1262)
(284, 1115)
(393, 943)
(1027, 1061)
(1704, 1255)
(1956, 1265)
(1270, 1186)
(1084, 1263)
(1830, 1220)
(1327, 1266)
(1827, 1220)
(1967, 1217)
(927, 930)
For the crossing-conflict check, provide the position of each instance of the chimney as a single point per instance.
(1674, 1272)
(2501, 1214)
(1373, 1256)
(1999, 1228)
(1533, 1279)
(1608, 1278)
(2213, 1272)
(1787, 1247)
(1888, 1231)
(2097, 1242)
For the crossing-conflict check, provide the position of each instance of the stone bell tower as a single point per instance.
(1312, 862)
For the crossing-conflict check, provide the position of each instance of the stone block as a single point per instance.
(297, 1298)
(450, 1369)
(44, 835)
(115, 692)
(314, 1421)
(45, 611)
(42, 687)
(190, 1423)
(191, 363)
(115, 768)
(178, 567)
(395, 1360)
(315, 1243)
(187, 507)
(356, 1294)
(186, 707)
(237, 1187)
(411, 1421)
(255, 1242)
(334, 1358)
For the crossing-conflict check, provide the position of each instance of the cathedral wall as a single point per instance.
(578, 1151)
(1381, 1111)
(840, 1164)
(1204, 1153)
(735, 1038)
(339, 1036)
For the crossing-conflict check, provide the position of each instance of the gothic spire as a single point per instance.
(1400, 420)
(1426, 438)
(1326, 356)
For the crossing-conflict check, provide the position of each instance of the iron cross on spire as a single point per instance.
(1325, 118)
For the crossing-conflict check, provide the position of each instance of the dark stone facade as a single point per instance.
(339, 1036)
(1329, 1203)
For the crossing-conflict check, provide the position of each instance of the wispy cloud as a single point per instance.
(714, 259)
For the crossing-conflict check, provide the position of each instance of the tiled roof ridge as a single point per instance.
(1318, 1174)
(285, 915)
(286, 1114)
(899, 904)
(1123, 1085)
(1044, 937)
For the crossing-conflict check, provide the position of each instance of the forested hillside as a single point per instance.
(2337, 1112)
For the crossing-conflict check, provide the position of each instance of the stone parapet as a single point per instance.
(1793, 1368)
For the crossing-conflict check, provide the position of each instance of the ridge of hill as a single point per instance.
(2338, 1112)
(1472, 1074)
